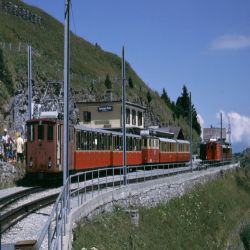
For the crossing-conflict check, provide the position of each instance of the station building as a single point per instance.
(108, 115)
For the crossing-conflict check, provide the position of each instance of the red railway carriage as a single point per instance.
(215, 151)
(150, 149)
(183, 153)
(44, 145)
(174, 150)
(89, 148)
(100, 148)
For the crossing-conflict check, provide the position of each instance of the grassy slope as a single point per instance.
(202, 219)
(86, 60)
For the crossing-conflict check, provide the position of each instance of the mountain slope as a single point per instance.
(89, 65)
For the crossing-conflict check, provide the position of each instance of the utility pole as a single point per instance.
(190, 131)
(221, 136)
(29, 81)
(229, 131)
(66, 93)
(124, 120)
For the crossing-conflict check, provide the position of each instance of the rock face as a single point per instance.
(9, 174)
(48, 96)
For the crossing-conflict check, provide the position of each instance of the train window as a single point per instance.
(145, 143)
(31, 132)
(133, 117)
(78, 137)
(50, 133)
(127, 116)
(139, 118)
(40, 132)
(138, 144)
(157, 143)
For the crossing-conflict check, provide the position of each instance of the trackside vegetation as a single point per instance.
(209, 217)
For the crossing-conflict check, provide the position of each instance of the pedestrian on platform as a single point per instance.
(7, 145)
(19, 148)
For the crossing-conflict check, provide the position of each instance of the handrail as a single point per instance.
(55, 226)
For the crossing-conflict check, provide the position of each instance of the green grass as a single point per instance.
(86, 60)
(202, 219)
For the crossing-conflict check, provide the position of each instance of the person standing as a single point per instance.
(19, 148)
(6, 144)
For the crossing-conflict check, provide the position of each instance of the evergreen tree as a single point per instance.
(130, 83)
(182, 108)
(195, 124)
(182, 103)
(165, 98)
(149, 98)
(107, 82)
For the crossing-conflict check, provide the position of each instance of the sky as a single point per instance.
(204, 45)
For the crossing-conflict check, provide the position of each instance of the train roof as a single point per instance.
(183, 141)
(103, 131)
(167, 140)
(172, 140)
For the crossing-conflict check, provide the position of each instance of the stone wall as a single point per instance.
(9, 174)
(16, 10)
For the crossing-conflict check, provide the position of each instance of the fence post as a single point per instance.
(49, 237)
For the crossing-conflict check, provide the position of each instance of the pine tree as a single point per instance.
(182, 103)
(130, 83)
(107, 82)
(165, 98)
(149, 98)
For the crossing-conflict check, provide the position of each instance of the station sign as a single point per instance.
(105, 108)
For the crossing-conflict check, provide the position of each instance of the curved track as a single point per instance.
(10, 218)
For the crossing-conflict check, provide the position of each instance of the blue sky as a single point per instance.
(202, 44)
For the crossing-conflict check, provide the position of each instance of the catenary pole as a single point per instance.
(66, 93)
(124, 120)
(29, 81)
(190, 132)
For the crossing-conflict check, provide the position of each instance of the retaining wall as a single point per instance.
(147, 194)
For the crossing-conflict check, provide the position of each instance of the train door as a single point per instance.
(58, 146)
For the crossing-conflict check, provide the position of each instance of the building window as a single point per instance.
(139, 118)
(127, 116)
(133, 117)
(86, 116)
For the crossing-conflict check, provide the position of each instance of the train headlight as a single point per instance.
(49, 163)
(31, 162)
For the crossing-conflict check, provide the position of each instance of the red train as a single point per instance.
(94, 148)
(215, 151)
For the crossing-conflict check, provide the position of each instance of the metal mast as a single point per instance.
(66, 93)
(229, 131)
(190, 132)
(124, 120)
(221, 135)
(30, 81)
(221, 127)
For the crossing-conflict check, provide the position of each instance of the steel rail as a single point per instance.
(11, 198)
(11, 217)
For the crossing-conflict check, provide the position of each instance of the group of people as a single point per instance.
(12, 150)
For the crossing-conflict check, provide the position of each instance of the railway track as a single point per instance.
(11, 217)
(10, 199)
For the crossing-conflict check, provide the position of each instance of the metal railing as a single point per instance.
(84, 186)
